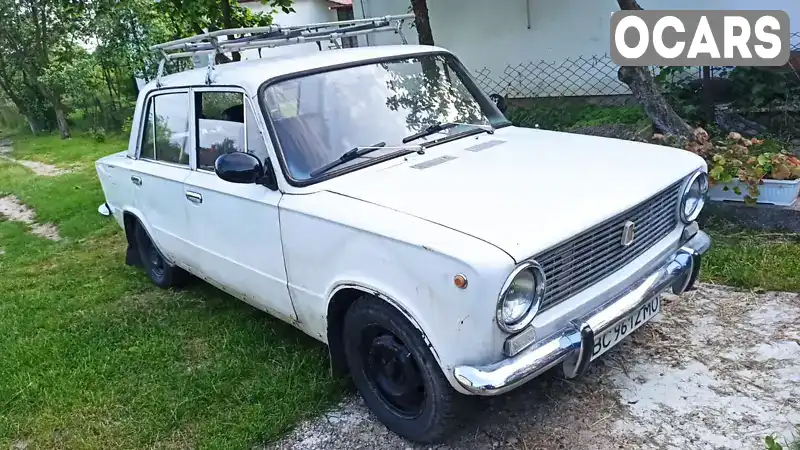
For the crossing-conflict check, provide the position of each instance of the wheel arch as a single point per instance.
(340, 300)
(130, 219)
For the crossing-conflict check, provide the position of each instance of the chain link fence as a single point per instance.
(586, 89)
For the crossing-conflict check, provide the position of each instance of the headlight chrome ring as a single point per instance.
(539, 291)
(700, 179)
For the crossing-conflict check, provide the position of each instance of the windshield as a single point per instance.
(320, 117)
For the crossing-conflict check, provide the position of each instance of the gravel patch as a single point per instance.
(14, 210)
(720, 368)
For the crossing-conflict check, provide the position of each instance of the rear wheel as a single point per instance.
(396, 373)
(160, 272)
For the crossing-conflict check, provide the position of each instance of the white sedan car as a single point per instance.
(376, 199)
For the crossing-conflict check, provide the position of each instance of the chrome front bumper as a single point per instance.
(572, 346)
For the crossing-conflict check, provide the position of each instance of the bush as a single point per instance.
(563, 116)
(98, 134)
(127, 124)
(744, 159)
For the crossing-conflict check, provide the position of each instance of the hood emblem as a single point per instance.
(628, 233)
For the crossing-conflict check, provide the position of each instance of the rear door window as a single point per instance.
(166, 131)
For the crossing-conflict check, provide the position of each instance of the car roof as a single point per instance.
(250, 74)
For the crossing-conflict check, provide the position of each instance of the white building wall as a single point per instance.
(557, 49)
(306, 11)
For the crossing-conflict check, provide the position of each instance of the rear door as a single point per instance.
(161, 166)
(234, 228)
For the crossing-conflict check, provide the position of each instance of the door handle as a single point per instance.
(194, 197)
(136, 180)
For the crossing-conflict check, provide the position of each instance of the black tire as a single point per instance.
(373, 329)
(698, 263)
(160, 272)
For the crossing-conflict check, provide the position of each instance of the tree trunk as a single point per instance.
(226, 23)
(646, 91)
(422, 21)
(33, 124)
(61, 118)
(648, 95)
(708, 101)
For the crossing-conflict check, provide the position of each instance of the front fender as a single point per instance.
(334, 242)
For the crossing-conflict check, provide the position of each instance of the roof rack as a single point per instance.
(252, 38)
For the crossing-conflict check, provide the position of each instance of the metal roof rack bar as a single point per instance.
(259, 33)
(274, 36)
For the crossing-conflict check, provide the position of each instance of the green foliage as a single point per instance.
(759, 87)
(38, 37)
(11, 121)
(672, 74)
(45, 66)
(189, 17)
(559, 116)
(771, 443)
(127, 124)
(743, 88)
(99, 134)
(730, 159)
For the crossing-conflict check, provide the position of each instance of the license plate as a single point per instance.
(626, 326)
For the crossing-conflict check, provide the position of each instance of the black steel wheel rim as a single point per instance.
(392, 372)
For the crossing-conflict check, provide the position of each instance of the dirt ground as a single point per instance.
(12, 209)
(39, 168)
(718, 369)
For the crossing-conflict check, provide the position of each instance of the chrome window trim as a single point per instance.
(541, 284)
(165, 163)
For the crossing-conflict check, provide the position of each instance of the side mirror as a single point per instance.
(238, 167)
(500, 101)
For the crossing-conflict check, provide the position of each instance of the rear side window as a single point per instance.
(166, 130)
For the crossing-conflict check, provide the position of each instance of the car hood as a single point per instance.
(522, 190)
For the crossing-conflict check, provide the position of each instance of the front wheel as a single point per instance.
(396, 373)
(160, 272)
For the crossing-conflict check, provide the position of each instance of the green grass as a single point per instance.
(560, 115)
(752, 260)
(94, 356)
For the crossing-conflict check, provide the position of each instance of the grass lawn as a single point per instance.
(752, 260)
(93, 356)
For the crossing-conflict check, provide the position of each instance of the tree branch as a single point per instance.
(629, 5)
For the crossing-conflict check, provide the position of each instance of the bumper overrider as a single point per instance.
(572, 346)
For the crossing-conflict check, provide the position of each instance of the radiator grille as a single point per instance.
(598, 252)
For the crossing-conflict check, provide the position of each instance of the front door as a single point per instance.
(158, 173)
(234, 228)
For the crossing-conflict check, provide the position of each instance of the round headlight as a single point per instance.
(520, 297)
(694, 197)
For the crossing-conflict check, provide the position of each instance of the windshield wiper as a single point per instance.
(347, 157)
(437, 127)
